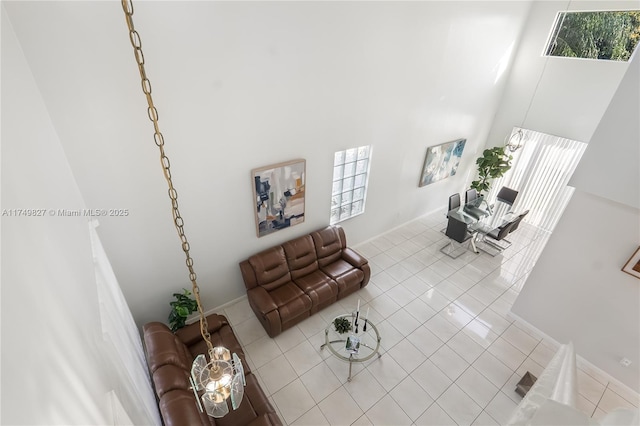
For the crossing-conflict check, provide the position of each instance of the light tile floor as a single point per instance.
(451, 355)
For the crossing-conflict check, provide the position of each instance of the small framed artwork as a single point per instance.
(632, 267)
(441, 161)
(353, 344)
(278, 194)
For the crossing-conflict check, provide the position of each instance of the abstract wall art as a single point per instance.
(632, 267)
(278, 193)
(441, 161)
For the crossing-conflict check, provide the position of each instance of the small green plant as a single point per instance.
(494, 163)
(181, 308)
(342, 325)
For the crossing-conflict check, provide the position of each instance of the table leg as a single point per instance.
(350, 358)
(473, 243)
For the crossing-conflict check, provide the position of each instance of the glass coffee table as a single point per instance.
(352, 346)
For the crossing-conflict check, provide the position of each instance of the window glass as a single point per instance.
(604, 35)
(350, 178)
(349, 169)
(337, 187)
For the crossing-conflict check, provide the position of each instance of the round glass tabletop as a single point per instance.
(360, 343)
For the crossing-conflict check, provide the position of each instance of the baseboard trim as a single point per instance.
(368, 240)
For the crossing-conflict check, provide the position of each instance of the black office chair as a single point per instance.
(470, 195)
(507, 195)
(457, 231)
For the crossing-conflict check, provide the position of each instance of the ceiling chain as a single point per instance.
(134, 37)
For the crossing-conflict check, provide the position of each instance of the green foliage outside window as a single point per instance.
(596, 35)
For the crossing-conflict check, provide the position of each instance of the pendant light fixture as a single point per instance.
(221, 378)
(516, 140)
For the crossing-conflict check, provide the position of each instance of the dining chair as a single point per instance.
(494, 238)
(454, 204)
(454, 201)
(516, 221)
(470, 195)
(507, 195)
(458, 232)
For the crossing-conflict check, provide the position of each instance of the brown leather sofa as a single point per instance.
(290, 282)
(170, 357)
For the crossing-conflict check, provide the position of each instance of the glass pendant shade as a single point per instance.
(220, 378)
(516, 140)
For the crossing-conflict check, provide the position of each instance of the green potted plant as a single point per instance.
(494, 163)
(181, 308)
(342, 325)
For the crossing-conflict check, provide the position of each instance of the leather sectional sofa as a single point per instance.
(170, 357)
(290, 282)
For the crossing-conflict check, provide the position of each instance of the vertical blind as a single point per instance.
(540, 172)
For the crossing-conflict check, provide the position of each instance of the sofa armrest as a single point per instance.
(190, 334)
(353, 257)
(261, 300)
(248, 275)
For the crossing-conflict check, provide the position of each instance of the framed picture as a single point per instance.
(353, 344)
(441, 161)
(632, 267)
(278, 192)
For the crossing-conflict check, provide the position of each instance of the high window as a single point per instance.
(350, 178)
(607, 35)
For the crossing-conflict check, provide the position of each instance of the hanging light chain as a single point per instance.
(136, 42)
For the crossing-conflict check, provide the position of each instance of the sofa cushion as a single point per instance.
(164, 347)
(291, 301)
(271, 268)
(222, 337)
(337, 268)
(301, 256)
(178, 408)
(349, 282)
(328, 245)
(168, 378)
(191, 335)
(320, 288)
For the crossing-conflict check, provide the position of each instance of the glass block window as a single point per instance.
(350, 178)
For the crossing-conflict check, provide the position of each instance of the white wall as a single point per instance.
(241, 85)
(577, 290)
(56, 366)
(609, 168)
